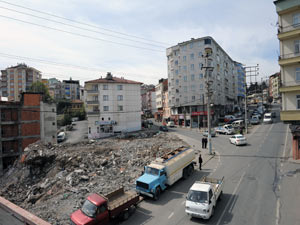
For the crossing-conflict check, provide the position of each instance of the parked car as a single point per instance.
(212, 133)
(238, 139)
(170, 124)
(254, 120)
(256, 114)
(227, 118)
(238, 124)
(268, 118)
(61, 136)
(163, 128)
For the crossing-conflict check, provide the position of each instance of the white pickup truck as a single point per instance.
(203, 196)
(226, 129)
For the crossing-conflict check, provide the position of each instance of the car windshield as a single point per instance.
(197, 196)
(89, 209)
(152, 171)
(239, 136)
(229, 127)
(267, 117)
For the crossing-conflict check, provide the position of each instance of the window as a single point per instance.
(191, 45)
(200, 54)
(95, 108)
(120, 97)
(297, 74)
(184, 58)
(89, 130)
(201, 76)
(207, 41)
(193, 87)
(105, 87)
(184, 47)
(296, 19)
(105, 108)
(193, 98)
(185, 99)
(120, 87)
(176, 62)
(105, 97)
(192, 67)
(120, 108)
(298, 101)
(53, 123)
(185, 88)
(200, 66)
(192, 56)
(297, 46)
(201, 86)
(185, 78)
(176, 72)
(184, 68)
(98, 131)
(193, 77)
(177, 81)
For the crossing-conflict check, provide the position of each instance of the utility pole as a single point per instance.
(208, 70)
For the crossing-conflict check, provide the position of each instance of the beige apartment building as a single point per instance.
(17, 79)
(161, 91)
(274, 85)
(289, 38)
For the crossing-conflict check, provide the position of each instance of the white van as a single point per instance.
(268, 118)
(238, 124)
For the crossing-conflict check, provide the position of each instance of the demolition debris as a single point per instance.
(53, 181)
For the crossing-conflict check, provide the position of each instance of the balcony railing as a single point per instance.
(289, 28)
(288, 56)
(93, 102)
(93, 112)
(92, 91)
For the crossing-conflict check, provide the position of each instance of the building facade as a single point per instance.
(188, 81)
(160, 92)
(71, 89)
(113, 105)
(274, 85)
(289, 43)
(148, 95)
(23, 123)
(18, 79)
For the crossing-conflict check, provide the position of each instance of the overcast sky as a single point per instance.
(245, 29)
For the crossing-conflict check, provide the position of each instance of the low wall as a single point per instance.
(24, 216)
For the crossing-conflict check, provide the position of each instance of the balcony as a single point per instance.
(288, 32)
(93, 112)
(290, 115)
(92, 91)
(290, 88)
(93, 102)
(289, 59)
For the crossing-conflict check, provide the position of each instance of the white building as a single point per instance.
(187, 82)
(113, 105)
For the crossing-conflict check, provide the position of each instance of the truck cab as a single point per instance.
(93, 211)
(152, 182)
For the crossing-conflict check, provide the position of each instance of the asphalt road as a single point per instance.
(8, 219)
(261, 184)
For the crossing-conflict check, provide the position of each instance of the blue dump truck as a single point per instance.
(165, 171)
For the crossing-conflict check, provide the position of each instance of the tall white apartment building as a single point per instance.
(187, 82)
(17, 79)
(113, 105)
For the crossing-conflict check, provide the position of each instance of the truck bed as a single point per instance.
(119, 200)
(217, 184)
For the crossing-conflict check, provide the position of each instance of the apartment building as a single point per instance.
(161, 106)
(17, 79)
(289, 43)
(187, 81)
(148, 95)
(241, 83)
(274, 84)
(113, 105)
(24, 122)
(71, 89)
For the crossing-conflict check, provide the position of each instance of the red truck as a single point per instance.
(101, 209)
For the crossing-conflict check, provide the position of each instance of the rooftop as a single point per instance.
(110, 79)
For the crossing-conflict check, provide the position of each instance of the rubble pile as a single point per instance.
(53, 181)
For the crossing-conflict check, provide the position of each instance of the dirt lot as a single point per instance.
(53, 181)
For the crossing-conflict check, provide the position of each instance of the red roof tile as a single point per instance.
(113, 80)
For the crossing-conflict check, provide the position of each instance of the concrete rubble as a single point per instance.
(53, 181)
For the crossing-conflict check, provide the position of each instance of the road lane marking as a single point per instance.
(277, 211)
(233, 194)
(171, 215)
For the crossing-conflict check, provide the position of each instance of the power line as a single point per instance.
(62, 64)
(127, 39)
(86, 24)
(80, 35)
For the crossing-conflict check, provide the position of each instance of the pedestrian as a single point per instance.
(203, 142)
(200, 162)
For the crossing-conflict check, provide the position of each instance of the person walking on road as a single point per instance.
(203, 140)
(200, 162)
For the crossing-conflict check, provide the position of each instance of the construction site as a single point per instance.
(52, 181)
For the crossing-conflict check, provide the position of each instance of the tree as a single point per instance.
(39, 87)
